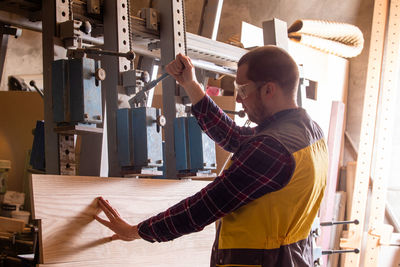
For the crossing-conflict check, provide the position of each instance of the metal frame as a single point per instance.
(3, 49)
(115, 39)
(206, 53)
(58, 12)
(118, 36)
(173, 42)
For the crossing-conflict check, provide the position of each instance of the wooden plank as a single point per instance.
(19, 112)
(71, 237)
(340, 205)
(335, 136)
(377, 231)
(11, 225)
(210, 17)
(390, 255)
(364, 160)
(350, 176)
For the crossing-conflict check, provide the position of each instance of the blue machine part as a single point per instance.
(202, 148)
(86, 105)
(59, 87)
(181, 148)
(195, 151)
(124, 140)
(76, 92)
(37, 159)
(139, 138)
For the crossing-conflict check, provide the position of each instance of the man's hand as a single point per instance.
(183, 71)
(121, 228)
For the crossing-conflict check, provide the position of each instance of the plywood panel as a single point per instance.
(71, 237)
(19, 112)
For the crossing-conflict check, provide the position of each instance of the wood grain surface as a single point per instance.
(71, 237)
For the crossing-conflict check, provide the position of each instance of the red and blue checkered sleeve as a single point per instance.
(263, 166)
(218, 126)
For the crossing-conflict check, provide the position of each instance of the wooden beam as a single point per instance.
(377, 231)
(210, 17)
(364, 160)
(339, 209)
(350, 176)
(335, 137)
(69, 236)
(11, 225)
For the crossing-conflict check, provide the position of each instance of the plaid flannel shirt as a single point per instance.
(262, 165)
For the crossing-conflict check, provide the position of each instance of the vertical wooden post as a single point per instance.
(335, 137)
(364, 160)
(377, 231)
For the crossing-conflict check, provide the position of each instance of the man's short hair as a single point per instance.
(271, 63)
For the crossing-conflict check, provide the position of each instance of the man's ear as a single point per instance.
(270, 88)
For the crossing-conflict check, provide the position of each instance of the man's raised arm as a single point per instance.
(183, 71)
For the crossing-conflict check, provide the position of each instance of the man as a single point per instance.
(269, 196)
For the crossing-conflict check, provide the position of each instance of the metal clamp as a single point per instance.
(151, 17)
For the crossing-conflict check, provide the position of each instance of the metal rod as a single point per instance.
(129, 55)
(329, 252)
(338, 222)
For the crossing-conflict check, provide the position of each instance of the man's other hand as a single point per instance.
(122, 229)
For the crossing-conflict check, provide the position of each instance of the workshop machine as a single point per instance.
(92, 59)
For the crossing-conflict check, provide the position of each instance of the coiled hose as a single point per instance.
(336, 38)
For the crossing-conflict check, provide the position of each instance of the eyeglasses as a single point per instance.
(244, 90)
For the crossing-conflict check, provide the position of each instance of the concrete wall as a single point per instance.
(23, 58)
